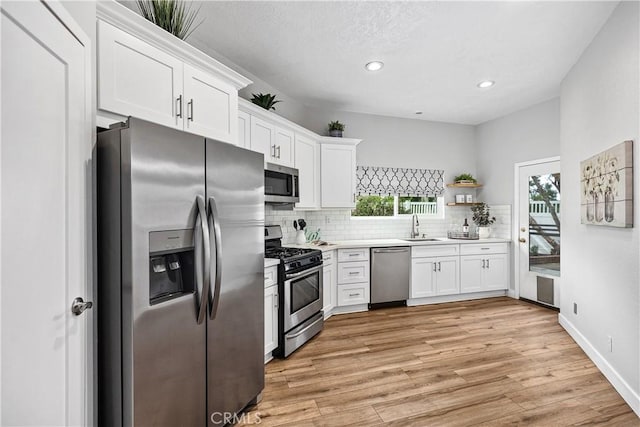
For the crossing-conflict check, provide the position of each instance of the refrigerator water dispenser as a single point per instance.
(171, 265)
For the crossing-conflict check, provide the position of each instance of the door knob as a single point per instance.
(523, 240)
(79, 306)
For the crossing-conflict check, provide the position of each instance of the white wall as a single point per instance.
(529, 134)
(600, 265)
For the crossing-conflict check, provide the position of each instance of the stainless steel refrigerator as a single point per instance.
(180, 225)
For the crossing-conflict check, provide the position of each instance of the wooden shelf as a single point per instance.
(464, 204)
(464, 185)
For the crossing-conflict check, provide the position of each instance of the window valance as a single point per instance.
(373, 180)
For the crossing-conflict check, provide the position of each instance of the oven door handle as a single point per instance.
(303, 273)
(297, 334)
(216, 241)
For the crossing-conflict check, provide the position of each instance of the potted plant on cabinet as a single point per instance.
(174, 16)
(336, 128)
(482, 219)
(266, 100)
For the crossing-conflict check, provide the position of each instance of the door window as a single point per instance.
(544, 224)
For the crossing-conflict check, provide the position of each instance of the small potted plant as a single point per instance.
(482, 219)
(336, 128)
(465, 178)
(266, 100)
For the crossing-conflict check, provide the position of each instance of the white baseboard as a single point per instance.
(454, 298)
(350, 309)
(628, 394)
(512, 293)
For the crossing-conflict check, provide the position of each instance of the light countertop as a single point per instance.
(371, 243)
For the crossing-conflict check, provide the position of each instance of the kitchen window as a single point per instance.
(394, 206)
(394, 192)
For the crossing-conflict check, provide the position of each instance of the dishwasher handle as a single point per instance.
(390, 250)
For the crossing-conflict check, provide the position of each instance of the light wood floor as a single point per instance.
(488, 362)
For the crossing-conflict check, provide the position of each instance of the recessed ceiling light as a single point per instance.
(374, 65)
(486, 84)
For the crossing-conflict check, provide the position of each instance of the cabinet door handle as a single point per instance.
(273, 152)
(354, 272)
(190, 110)
(435, 266)
(354, 295)
(275, 302)
(278, 151)
(483, 263)
(487, 263)
(179, 106)
(439, 266)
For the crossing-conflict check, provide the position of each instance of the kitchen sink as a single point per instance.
(421, 239)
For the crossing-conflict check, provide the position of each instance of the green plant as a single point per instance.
(533, 250)
(266, 101)
(374, 206)
(336, 126)
(174, 16)
(465, 177)
(481, 215)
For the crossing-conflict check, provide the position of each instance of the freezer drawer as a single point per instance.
(390, 274)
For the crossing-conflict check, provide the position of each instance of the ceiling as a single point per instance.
(435, 53)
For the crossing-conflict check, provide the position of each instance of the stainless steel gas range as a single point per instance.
(299, 292)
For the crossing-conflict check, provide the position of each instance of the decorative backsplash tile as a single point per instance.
(339, 225)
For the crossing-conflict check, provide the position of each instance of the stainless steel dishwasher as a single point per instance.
(390, 274)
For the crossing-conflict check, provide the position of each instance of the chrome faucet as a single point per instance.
(414, 226)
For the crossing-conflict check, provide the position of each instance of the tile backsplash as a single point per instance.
(339, 225)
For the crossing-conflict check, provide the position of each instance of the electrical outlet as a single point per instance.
(327, 219)
(610, 344)
(575, 308)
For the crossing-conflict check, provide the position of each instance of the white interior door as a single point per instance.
(45, 146)
(538, 230)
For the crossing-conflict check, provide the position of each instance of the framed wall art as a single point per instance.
(607, 187)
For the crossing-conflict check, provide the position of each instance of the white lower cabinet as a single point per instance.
(434, 276)
(486, 268)
(434, 271)
(353, 277)
(357, 293)
(329, 283)
(270, 311)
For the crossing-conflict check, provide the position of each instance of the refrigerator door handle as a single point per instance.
(216, 242)
(202, 263)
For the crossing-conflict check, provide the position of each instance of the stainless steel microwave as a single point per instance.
(280, 184)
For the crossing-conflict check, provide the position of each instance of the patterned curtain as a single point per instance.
(372, 180)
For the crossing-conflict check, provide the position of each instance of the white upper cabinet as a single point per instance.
(145, 72)
(244, 130)
(137, 79)
(338, 172)
(307, 161)
(211, 106)
(275, 142)
(263, 136)
(284, 149)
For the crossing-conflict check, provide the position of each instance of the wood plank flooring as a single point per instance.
(487, 362)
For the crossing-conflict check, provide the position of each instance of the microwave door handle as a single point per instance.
(203, 258)
(216, 242)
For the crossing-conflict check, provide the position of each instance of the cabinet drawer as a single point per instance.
(353, 272)
(353, 294)
(480, 249)
(270, 276)
(434, 250)
(361, 254)
(328, 257)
